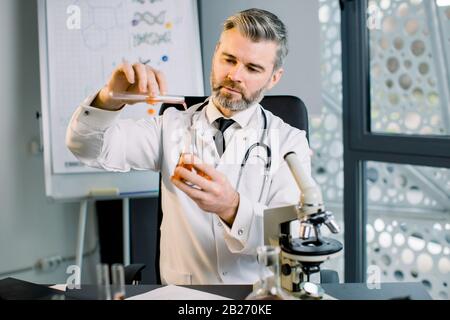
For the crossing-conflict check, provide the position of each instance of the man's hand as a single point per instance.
(213, 195)
(136, 78)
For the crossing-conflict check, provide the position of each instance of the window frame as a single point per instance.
(361, 145)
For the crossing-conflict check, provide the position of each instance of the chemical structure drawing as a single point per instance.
(100, 18)
(149, 18)
(144, 61)
(152, 38)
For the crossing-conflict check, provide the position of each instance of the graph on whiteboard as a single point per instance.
(88, 39)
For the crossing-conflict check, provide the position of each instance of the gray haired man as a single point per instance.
(211, 226)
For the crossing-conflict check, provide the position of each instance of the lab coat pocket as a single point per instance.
(171, 276)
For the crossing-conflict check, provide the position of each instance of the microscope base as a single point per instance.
(302, 258)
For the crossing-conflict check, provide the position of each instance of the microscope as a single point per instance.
(297, 230)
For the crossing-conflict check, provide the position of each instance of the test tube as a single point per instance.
(137, 97)
(103, 282)
(118, 281)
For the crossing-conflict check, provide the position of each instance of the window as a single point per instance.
(396, 136)
(408, 224)
(409, 49)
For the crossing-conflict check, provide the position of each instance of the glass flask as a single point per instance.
(268, 287)
(190, 155)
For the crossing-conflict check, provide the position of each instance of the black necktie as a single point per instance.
(222, 125)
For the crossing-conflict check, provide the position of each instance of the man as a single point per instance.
(211, 225)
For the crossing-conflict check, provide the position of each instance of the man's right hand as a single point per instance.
(135, 78)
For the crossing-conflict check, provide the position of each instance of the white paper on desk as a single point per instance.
(60, 287)
(172, 292)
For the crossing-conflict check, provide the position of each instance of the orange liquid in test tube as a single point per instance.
(137, 97)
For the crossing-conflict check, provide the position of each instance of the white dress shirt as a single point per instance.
(196, 246)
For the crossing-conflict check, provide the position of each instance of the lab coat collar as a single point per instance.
(202, 124)
(242, 118)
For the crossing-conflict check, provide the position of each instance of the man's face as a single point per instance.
(242, 70)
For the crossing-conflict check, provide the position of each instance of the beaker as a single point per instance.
(268, 287)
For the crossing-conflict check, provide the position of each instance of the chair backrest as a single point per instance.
(289, 108)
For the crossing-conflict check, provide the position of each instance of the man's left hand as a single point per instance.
(213, 195)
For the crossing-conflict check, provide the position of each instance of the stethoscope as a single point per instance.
(268, 162)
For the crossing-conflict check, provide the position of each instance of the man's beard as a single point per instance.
(226, 101)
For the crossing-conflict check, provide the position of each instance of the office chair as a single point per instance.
(289, 108)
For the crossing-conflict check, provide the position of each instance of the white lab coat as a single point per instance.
(196, 246)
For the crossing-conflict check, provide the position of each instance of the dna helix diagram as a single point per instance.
(152, 38)
(149, 18)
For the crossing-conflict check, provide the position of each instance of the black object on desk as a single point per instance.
(386, 291)
(15, 289)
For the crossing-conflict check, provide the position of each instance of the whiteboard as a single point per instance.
(80, 44)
